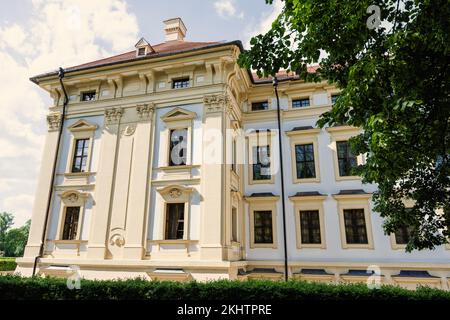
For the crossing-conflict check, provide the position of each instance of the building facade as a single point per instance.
(169, 168)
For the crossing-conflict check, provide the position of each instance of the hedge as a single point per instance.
(7, 264)
(19, 288)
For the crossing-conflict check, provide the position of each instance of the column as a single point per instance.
(213, 191)
(138, 195)
(103, 185)
(43, 187)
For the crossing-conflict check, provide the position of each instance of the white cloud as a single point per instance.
(58, 33)
(265, 22)
(227, 9)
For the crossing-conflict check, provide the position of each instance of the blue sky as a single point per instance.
(40, 35)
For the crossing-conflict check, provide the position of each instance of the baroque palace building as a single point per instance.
(168, 168)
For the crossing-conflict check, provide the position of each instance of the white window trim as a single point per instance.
(184, 120)
(304, 137)
(263, 204)
(81, 129)
(355, 201)
(175, 194)
(255, 139)
(343, 133)
(307, 203)
(71, 198)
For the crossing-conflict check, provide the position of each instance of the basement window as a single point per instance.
(88, 96)
(180, 83)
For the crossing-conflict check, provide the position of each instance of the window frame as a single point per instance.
(408, 203)
(186, 80)
(260, 139)
(262, 204)
(175, 194)
(355, 201)
(301, 99)
(81, 129)
(166, 208)
(176, 119)
(83, 93)
(71, 198)
(343, 133)
(301, 137)
(259, 102)
(347, 157)
(83, 155)
(309, 203)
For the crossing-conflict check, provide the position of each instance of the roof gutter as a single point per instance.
(61, 74)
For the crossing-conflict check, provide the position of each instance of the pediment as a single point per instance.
(82, 125)
(178, 114)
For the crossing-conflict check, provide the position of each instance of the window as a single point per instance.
(141, 52)
(88, 96)
(304, 157)
(301, 103)
(71, 223)
(80, 155)
(180, 83)
(263, 227)
(234, 225)
(174, 221)
(403, 235)
(346, 159)
(310, 227)
(233, 155)
(334, 97)
(178, 147)
(261, 163)
(257, 106)
(355, 226)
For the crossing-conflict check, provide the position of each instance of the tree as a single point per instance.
(16, 240)
(394, 81)
(6, 221)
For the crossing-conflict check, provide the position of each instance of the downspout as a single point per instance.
(55, 162)
(275, 86)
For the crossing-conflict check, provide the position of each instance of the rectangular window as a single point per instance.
(71, 223)
(234, 225)
(180, 83)
(334, 97)
(301, 103)
(304, 157)
(88, 96)
(80, 155)
(141, 51)
(174, 221)
(178, 147)
(310, 227)
(263, 227)
(257, 106)
(403, 235)
(346, 159)
(355, 226)
(261, 163)
(233, 155)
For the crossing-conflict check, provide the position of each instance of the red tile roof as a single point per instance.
(168, 48)
(162, 48)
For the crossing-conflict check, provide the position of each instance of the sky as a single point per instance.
(37, 36)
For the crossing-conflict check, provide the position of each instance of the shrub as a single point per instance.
(18, 288)
(7, 264)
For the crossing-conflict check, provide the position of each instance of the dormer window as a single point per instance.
(141, 52)
(143, 48)
(88, 96)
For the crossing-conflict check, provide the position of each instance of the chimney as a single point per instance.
(175, 29)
